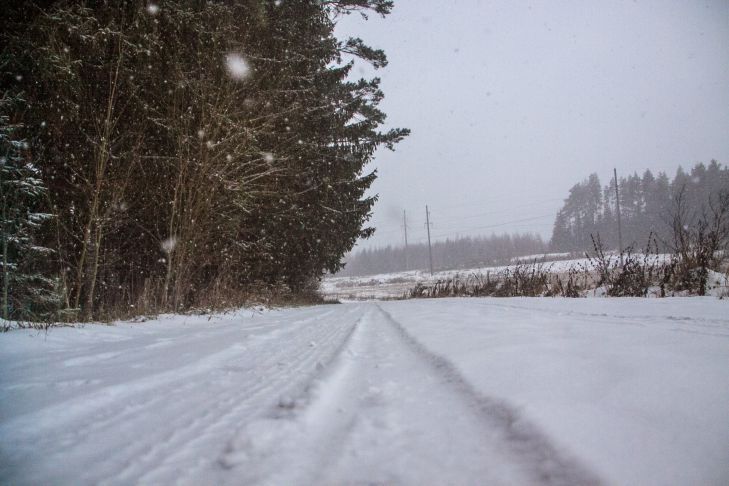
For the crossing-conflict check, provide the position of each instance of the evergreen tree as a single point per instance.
(647, 205)
(27, 291)
(196, 150)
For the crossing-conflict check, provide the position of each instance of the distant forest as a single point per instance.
(647, 206)
(448, 254)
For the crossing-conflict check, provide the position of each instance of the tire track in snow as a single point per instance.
(100, 430)
(525, 442)
(103, 399)
(389, 411)
(244, 405)
(259, 440)
(177, 455)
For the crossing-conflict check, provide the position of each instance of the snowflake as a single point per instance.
(169, 244)
(238, 67)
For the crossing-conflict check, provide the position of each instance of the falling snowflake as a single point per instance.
(169, 244)
(152, 9)
(238, 67)
(268, 157)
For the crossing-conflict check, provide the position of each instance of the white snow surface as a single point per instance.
(443, 391)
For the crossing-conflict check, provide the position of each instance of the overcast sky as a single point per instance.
(511, 103)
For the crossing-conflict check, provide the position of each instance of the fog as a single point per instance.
(512, 103)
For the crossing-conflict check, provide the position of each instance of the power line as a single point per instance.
(505, 223)
(496, 211)
(505, 196)
(462, 229)
(392, 227)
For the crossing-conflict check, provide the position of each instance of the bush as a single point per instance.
(630, 274)
(699, 243)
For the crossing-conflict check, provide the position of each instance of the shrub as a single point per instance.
(699, 243)
(630, 274)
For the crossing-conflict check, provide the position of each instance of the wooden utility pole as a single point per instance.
(405, 228)
(617, 202)
(430, 251)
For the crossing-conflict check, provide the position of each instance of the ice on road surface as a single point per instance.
(456, 391)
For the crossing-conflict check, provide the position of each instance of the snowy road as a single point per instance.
(457, 391)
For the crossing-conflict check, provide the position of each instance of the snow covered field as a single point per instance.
(457, 391)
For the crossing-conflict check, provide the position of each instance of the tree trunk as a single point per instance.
(87, 271)
(6, 275)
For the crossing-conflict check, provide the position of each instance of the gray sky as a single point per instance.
(510, 103)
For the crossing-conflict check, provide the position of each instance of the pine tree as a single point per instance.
(27, 291)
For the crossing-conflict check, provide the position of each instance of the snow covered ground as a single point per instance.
(457, 391)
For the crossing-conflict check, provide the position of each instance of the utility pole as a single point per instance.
(617, 202)
(405, 228)
(430, 251)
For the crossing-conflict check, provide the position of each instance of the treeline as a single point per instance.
(447, 255)
(181, 153)
(648, 205)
